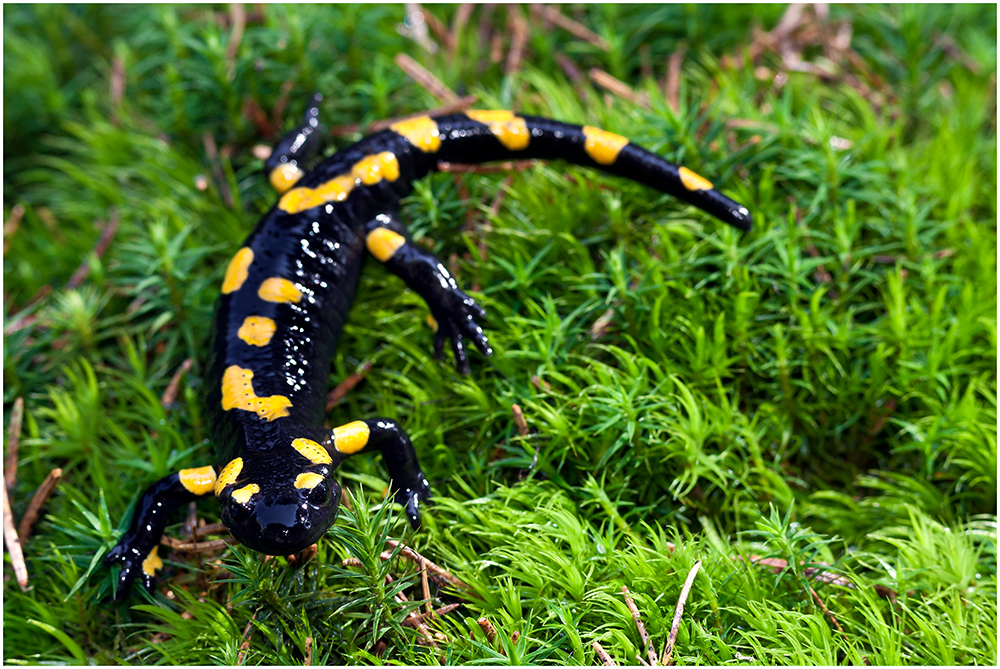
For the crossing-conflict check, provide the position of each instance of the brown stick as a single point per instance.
(569, 67)
(569, 25)
(212, 152)
(419, 617)
(643, 634)
(13, 441)
(428, 81)
(458, 24)
(11, 224)
(198, 546)
(35, 505)
(522, 424)
(341, 389)
(13, 544)
(426, 589)
(494, 168)
(440, 30)
(421, 561)
(214, 528)
(117, 91)
(673, 85)
(239, 20)
(170, 394)
(488, 629)
(107, 234)
(826, 610)
(619, 88)
(519, 38)
(668, 652)
(247, 636)
(309, 652)
(602, 325)
(603, 654)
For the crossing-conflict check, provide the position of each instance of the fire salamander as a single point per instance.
(286, 294)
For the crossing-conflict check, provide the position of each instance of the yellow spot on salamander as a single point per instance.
(285, 176)
(368, 171)
(279, 290)
(693, 180)
(308, 480)
(257, 330)
(236, 273)
(511, 130)
(383, 243)
(152, 563)
(312, 451)
(300, 199)
(603, 146)
(243, 495)
(229, 475)
(198, 481)
(238, 393)
(351, 438)
(422, 132)
(372, 169)
(432, 322)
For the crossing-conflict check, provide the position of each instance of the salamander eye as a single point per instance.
(238, 512)
(319, 494)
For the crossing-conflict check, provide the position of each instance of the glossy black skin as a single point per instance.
(321, 250)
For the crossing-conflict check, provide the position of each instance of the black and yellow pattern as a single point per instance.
(285, 296)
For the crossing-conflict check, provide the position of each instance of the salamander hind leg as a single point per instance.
(454, 313)
(138, 550)
(385, 435)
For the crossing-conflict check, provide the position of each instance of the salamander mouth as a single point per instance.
(282, 524)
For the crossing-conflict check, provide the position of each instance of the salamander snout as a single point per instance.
(283, 513)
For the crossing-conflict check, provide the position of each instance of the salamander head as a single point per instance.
(276, 505)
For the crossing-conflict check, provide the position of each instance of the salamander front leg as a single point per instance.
(137, 551)
(454, 312)
(408, 480)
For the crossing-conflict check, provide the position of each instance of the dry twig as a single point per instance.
(247, 636)
(239, 21)
(13, 544)
(458, 24)
(198, 546)
(13, 441)
(672, 88)
(668, 652)
(488, 629)
(35, 505)
(107, 234)
(170, 394)
(428, 81)
(619, 88)
(553, 14)
(423, 562)
(347, 385)
(826, 610)
(519, 38)
(11, 224)
(522, 424)
(643, 634)
(603, 654)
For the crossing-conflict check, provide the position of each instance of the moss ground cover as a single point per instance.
(820, 392)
